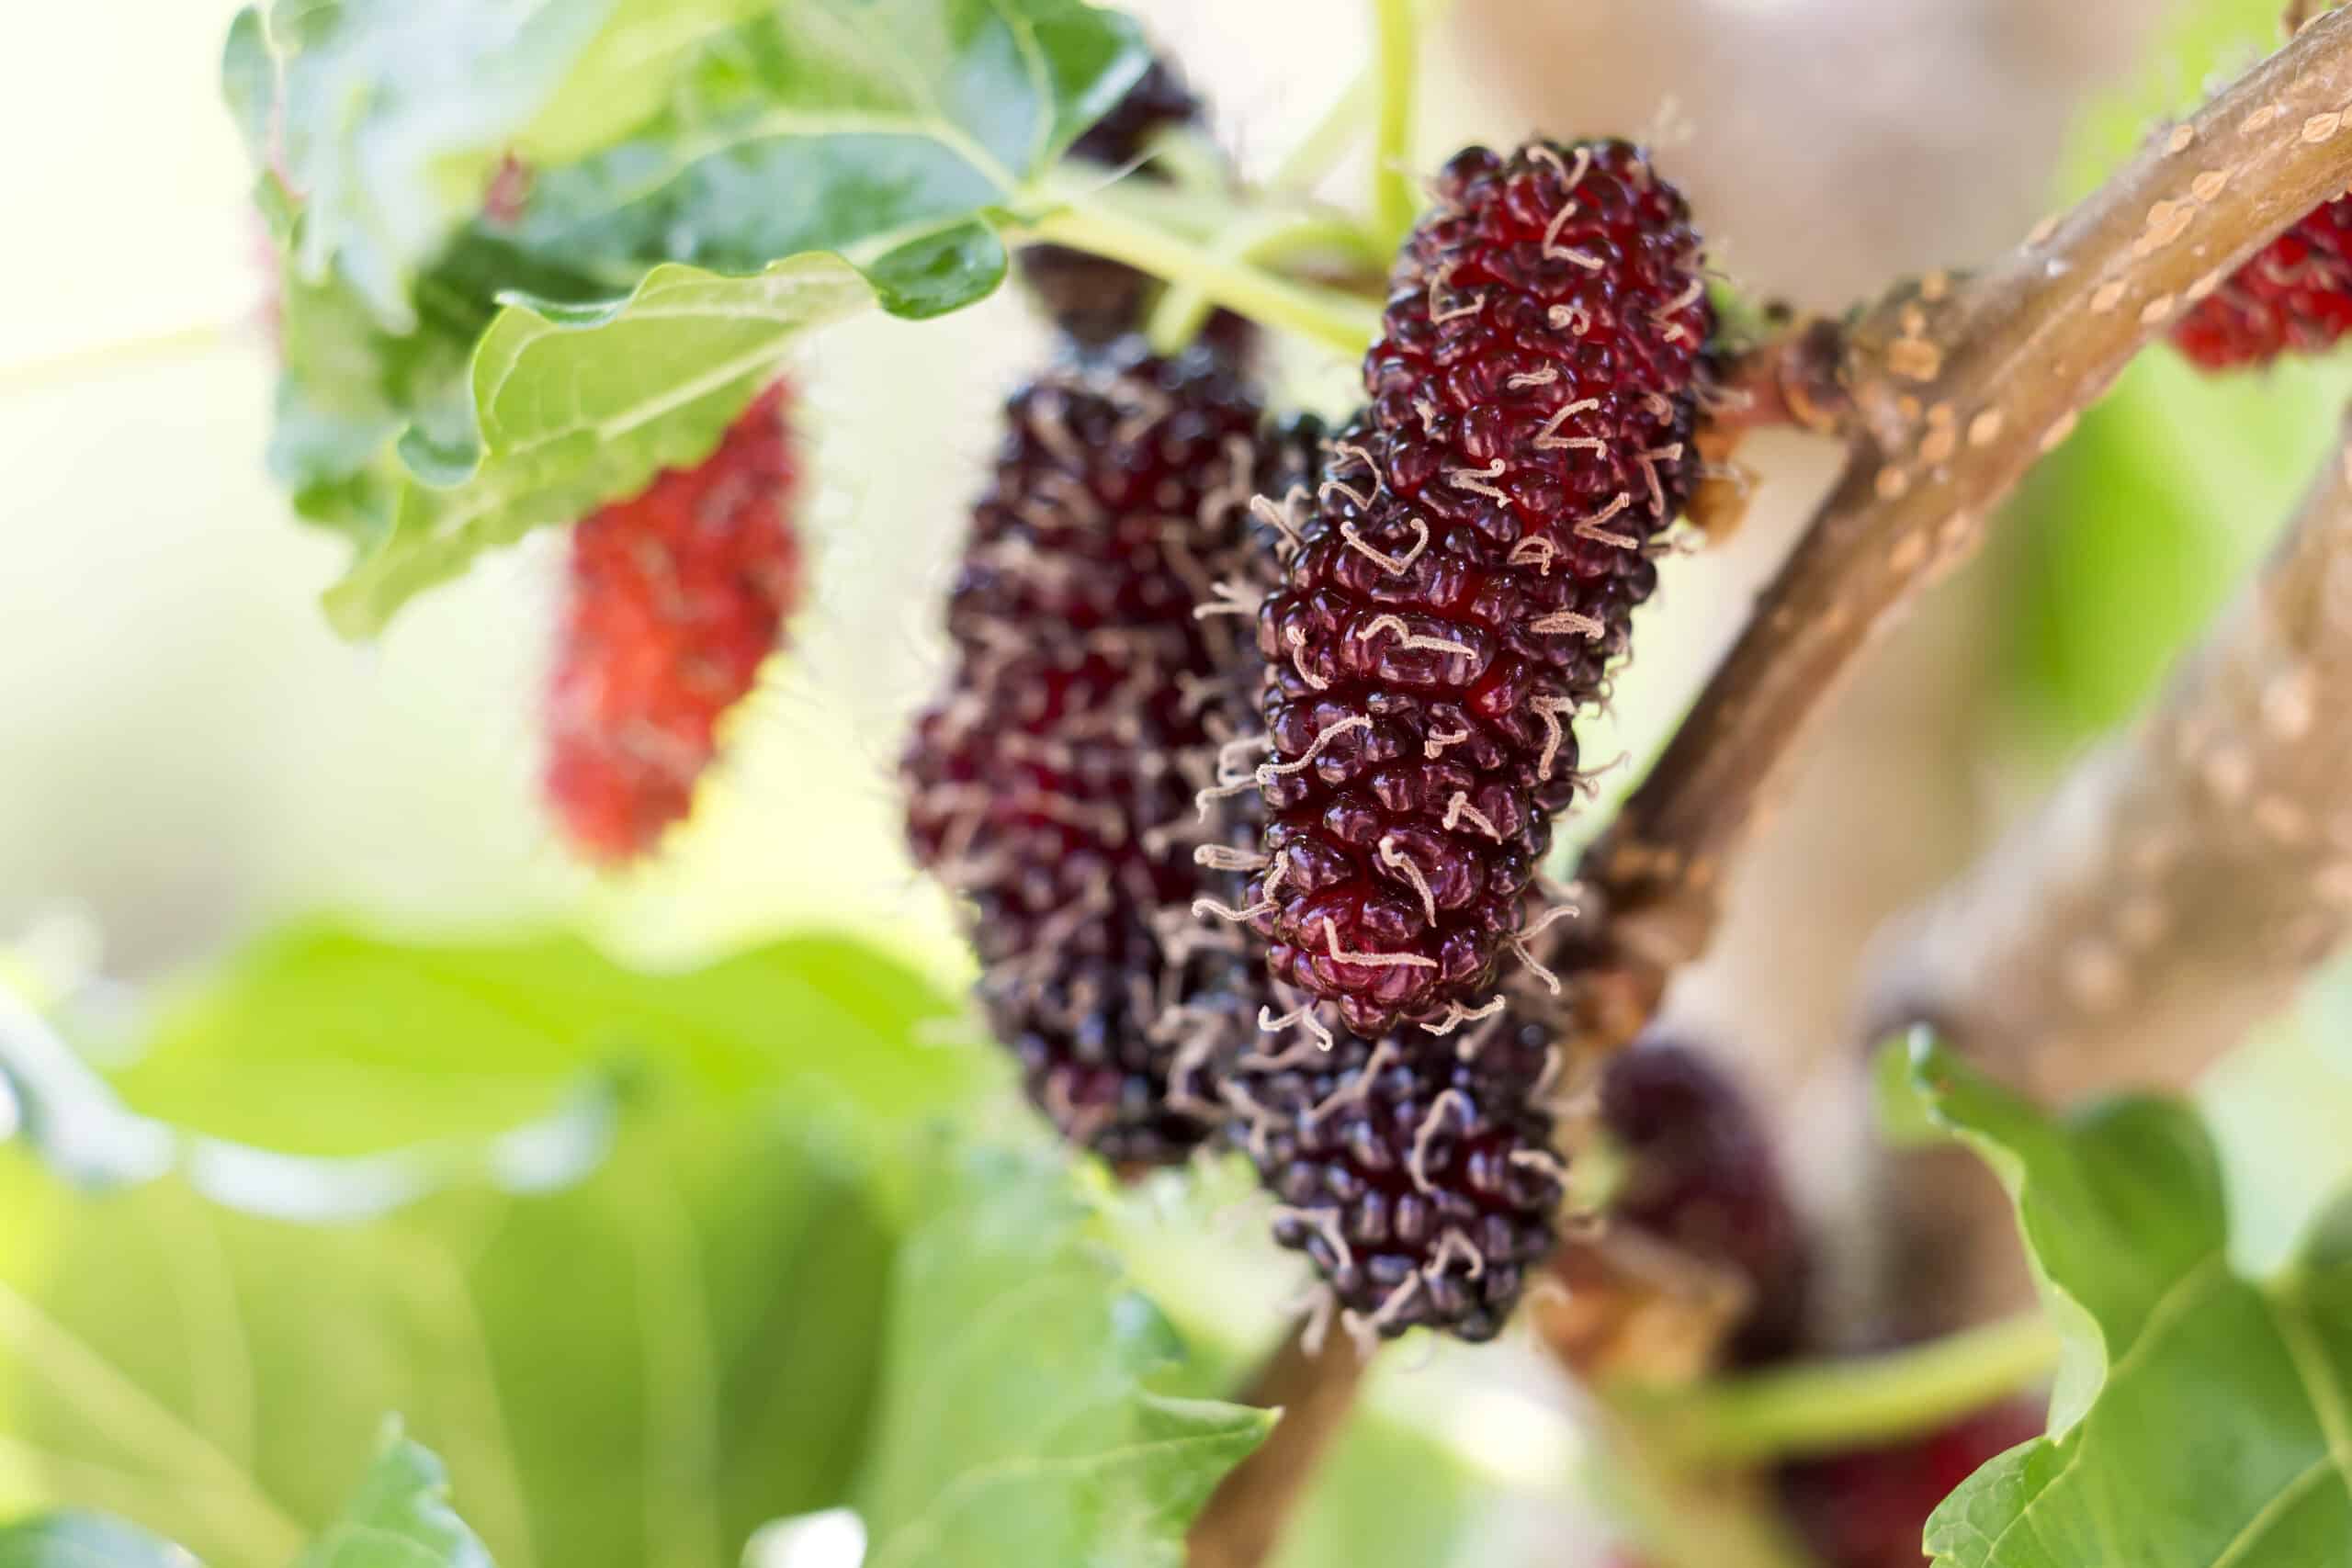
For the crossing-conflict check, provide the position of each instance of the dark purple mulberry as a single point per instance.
(1477, 543)
(1047, 785)
(2293, 295)
(1416, 1172)
(1699, 1174)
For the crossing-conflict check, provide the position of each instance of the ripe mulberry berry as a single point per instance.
(1048, 785)
(1700, 1175)
(676, 596)
(1092, 299)
(2294, 296)
(1869, 1508)
(1477, 543)
(1415, 1173)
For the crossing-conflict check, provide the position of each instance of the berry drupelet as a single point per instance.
(2294, 296)
(677, 595)
(1050, 783)
(1478, 540)
(1415, 1173)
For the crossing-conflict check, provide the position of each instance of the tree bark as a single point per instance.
(2177, 889)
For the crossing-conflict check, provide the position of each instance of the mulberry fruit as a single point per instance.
(1415, 1173)
(1870, 1508)
(1092, 299)
(2294, 296)
(1699, 1174)
(1049, 784)
(1477, 542)
(676, 596)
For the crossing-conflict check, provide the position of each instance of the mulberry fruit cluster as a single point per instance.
(2294, 296)
(675, 596)
(1479, 539)
(1049, 785)
(1869, 1507)
(1699, 1174)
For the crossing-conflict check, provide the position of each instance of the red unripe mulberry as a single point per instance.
(1477, 542)
(2294, 296)
(677, 595)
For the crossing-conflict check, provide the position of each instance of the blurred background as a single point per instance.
(189, 755)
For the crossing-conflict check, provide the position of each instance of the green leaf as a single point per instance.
(249, 83)
(1017, 1422)
(70, 1119)
(392, 114)
(637, 1369)
(399, 1517)
(2201, 1419)
(577, 405)
(709, 184)
(840, 126)
(75, 1540)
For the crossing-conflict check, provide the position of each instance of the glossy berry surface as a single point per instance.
(2293, 296)
(1048, 785)
(1870, 1508)
(1477, 543)
(1701, 1175)
(1414, 1172)
(675, 596)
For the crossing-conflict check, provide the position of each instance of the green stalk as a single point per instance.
(1397, 39)
(1269, 241)
(1331, 139)
(1825, 1407)
(1340, 321)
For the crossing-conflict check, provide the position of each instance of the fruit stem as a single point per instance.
(1328, 141)
(1827, 1406)
(1340, 323)
(1266, 241)
(1397, 41)
(1315, 1392)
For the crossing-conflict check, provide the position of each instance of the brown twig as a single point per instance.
(2177, 889)
(1316, 1390)
(2183, 881)
(1957, 387)
(1948, 390)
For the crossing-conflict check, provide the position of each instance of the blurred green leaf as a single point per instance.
(2278, 1107)
(637, 1369)
(1906, 1120)
(2200, 1419)
(75, 1540)
(1017, 1422)
(399, 1516)
(454, 378)
(1390, 1496)
(577, 405)
(2134, 532)
(390, 116)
